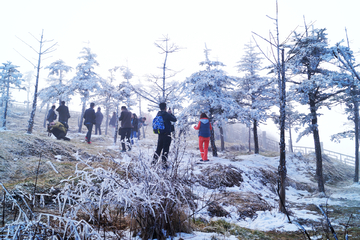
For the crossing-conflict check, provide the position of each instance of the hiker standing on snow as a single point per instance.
(64, 114)
(125, 128)
(164, 137)
(90, 119)
(112, 123)
(204, 127)
(99, 118)
(135, 124)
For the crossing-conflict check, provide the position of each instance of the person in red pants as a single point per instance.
(204, 127)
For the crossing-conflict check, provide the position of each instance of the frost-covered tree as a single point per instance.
(57, 88)
(314, 86)
(9, 77)
(110, 95)
(28, 81)
(161, 88)
(86, 79)
(351, 98)
(40, 54)
(254, 92)
(127, 87)
(209, 91)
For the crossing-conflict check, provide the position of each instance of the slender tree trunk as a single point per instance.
(82, 115)
(249, 139)
(315, 130)
(291, 149)
(33, 111)
(282, 164)
(212, 137)
(256, 138)
(6, 101)
(46, 112)
(116, 123)
(107, 111)
(356, 120)
(222, 139)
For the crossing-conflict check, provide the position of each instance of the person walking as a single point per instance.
(112, 123)
(134, 131)
(99, 118)
(90, 119)
(64, 114)
(125, 128)
(164, 139)
(204, 127)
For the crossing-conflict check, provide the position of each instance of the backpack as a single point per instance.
(158, 125)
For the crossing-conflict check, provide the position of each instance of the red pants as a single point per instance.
(204, 146)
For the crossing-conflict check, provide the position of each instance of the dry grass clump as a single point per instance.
(217, 176)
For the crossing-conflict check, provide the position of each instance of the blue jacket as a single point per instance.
(204, 127)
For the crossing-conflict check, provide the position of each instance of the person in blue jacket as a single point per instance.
(204, 127)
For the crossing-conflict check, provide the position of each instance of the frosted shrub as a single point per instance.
(157, 202)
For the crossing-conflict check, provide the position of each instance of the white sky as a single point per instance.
(123, 32)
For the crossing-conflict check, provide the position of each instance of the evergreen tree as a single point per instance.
(316, 84)
(9, 77)
(209, 91)
(255, 92)
(351, 98)
(86, 79)
(57, 88)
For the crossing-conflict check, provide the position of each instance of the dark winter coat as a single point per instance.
(64, 114)
(59, 130)
(51, 115)
(168, 118)
(99, 118)
(135, 123)
(113, 121)
(204, 127)
(89, 116)
(125, 119)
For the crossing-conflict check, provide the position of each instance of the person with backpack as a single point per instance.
(204, 127)
(162, 127)
(125, 128)
(90, 120)
(59, 130)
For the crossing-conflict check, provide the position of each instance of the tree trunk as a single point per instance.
(356, 120)
(32, 115)
(315, 130)
(256, 139)
(282, 164)
(116, 123)
(82, 115)
(249, 139)
(6, 102)
(46, 112)
(222, 139)
(212, 137)
(291, 149)
(107, 117)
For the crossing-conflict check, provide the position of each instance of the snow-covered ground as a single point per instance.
(298, 169)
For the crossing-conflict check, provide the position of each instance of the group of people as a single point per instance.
(129, 128)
